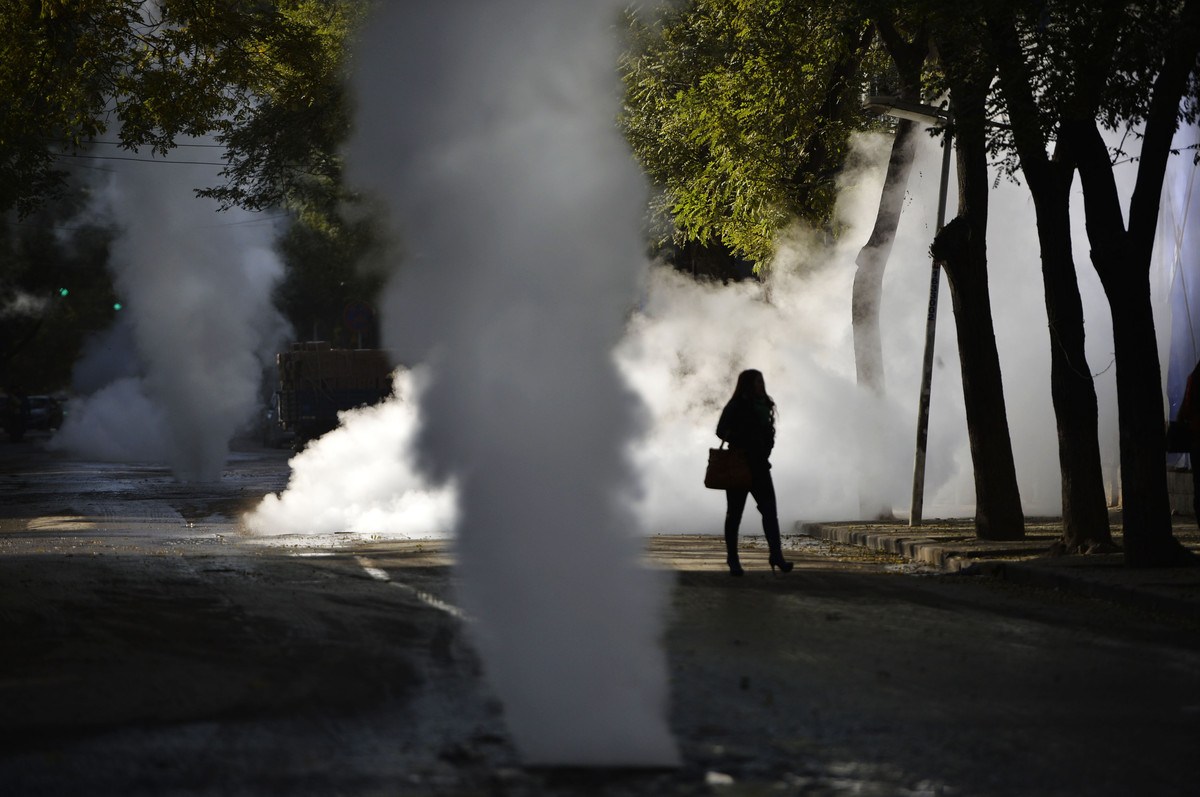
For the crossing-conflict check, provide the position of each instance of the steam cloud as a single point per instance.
(684, 349)
(478, 131)
(362, 478)
(686, 341)
(490, 128)
(23, 304)
(196, 293)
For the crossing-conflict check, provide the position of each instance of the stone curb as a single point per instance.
(1103, 577)
(950, 555)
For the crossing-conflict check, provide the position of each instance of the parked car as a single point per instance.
(45, 413)
(14, 414)
(20, 414)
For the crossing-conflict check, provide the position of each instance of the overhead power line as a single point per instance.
(122, 144)
(63, 228)
(139, 160)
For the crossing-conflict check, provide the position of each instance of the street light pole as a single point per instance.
(937, 117)
(918, 486)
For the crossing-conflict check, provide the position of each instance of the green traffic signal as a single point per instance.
(116, 305)
(63, 291)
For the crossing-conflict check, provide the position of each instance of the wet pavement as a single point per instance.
(151, 647)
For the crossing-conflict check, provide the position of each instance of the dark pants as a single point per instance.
(763, 490)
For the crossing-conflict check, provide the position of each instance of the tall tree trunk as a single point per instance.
(1122, 260)
(1146, 507)
(1124, 272)
(872, 260)
(908, 55)
(1084, 508)
(961, 246)
(1072, 391)
(865, 298)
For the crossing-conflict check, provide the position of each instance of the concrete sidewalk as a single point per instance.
(951, 545)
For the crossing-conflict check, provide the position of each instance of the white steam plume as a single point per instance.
(23, 305)
(490, 127)
(684, 346)
(196, 289)
(361, 478)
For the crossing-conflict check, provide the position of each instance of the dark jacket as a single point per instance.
(747, 426)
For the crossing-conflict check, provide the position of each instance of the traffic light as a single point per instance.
(117, 305)
(63, 291)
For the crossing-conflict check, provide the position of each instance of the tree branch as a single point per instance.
(1162, 120)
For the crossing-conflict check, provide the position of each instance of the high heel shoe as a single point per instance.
(784, 565)
(735, 569)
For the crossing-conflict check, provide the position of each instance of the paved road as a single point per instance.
(149, 648)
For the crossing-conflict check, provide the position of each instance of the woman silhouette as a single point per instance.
(748, 425)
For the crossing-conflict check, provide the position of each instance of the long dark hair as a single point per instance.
(746, 388)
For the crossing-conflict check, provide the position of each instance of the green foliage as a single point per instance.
(283, 150)
(741, 112)
(263, 77)
(54, 292)
(1092, 62)
(325, 257)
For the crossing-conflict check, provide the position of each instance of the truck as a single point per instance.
(317, 381)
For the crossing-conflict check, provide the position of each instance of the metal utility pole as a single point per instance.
(918, 488)
(937, 117)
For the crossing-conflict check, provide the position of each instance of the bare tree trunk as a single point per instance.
(961, 246)
(865, 298)
(908, 55)
(1124, 273)
(1122, 258)
(1146, 506)
(1073, 393)
(872, 260)
(909, 58)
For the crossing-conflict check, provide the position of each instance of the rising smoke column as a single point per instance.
(196, 292)
(490, 127)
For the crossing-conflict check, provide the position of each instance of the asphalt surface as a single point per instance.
(151, 647)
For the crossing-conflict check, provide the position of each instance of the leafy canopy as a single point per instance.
(741, 112)
(262, 77)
